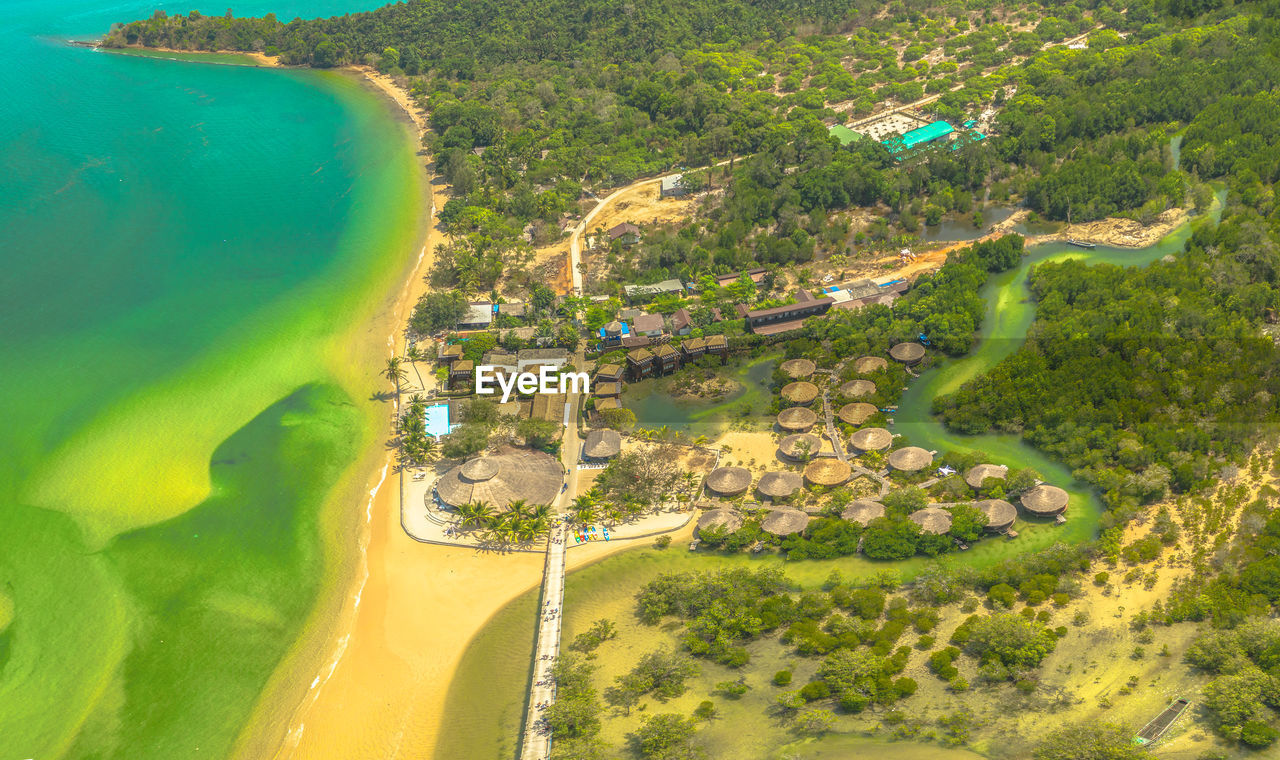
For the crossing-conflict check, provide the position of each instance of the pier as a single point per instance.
(536, 744)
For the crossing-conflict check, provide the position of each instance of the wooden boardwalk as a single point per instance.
(831, 425)
(536, 744)
(1156, 728)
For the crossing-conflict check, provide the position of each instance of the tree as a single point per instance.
(1090, 741)
(887, 538)
(967, 523)
(1012, 640)
(665, 737)
(619, 419)
(389, 61)
(646, 476)
(395, 372)
(438, 310)
(538, 433)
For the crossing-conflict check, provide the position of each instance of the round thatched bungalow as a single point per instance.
(613, 329)
(871, 439)
(979, 473)
(797, 419)
(862, 511)
(1045, 500)
(800, 445)
(857, 389)
(798, 369)
(827, 471)
(910, 459)
(865, 365)
(602, 444)
(907, 353)
(857, 412)
(1000, 514)
(801, 392)
(784, 522)
(779, 484)
(933, 520)
(728, 519)
(500, 479)
(729, 481)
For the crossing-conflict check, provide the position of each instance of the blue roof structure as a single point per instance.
(920, 136)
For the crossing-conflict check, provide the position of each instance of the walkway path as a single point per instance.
(542, 689)
(832, 433)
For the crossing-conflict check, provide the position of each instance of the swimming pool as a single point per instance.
(436, 418)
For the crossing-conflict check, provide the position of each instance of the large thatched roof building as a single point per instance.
(729, 481)
(779, 484)
(979, 473)
(728, 519)
(799, 445)
(862, 511)
(1044, 500)
(827, 471)
(797, 418)
(857, 389)
(857, 412)
(907, 353)
(800, 392)
(933, 520)
(865, 365)
(798, 369)
(1000, 514)
(784, 522)
(910, 459)
(500, 479)
(871, 439)
(602, 444)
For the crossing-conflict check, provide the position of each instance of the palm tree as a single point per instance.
(415, 355)
(541, 512)
(394, 372)
(584, 509)
(519, 508)
(477, 513)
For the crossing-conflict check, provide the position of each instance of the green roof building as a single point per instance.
(844, 134)
(917, 137)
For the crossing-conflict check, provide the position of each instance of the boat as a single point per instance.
(1081, 243)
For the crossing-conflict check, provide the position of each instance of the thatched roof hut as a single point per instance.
(784, 522)
(857, 412)
(798, 369)
(857, 388)
(729, 481)
(779, 484)
(728, 519)
(979, 473)
(797, 418)
(1000, 514)
(907, 353)
(871, 439)
(910, 459)
(1044, 500)
(794, 446)
(602, 444)
(865, 365)
(933, 520)
(827, 471)
(862, 511)
(500, 479)
(801, 392)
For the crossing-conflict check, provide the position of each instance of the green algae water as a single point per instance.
(191, 252)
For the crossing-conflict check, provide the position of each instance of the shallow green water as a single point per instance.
(187, 247)
(654, 407)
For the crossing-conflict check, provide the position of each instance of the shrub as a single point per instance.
(782, 678)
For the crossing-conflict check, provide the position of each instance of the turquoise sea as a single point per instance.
(190, 260)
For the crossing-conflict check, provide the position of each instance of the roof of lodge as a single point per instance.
(1000, 513)
(625, 228)
(788, 308)
(779, 484)
(605, 404)
(797, 418)
(910, 459)
(932, 520)
(857, 388)
(639, 355)
(798, 369)
(784, 522)
(728, 519)
(865, 364)
(729, 481)
(979, 473)
(791, 445)
(647, 323)
(907, 353)
(871, 439)
(602, 443)
(1044, 499)
(827, 471)
(608, 370)
(862, 511)
(500, 479)
(800, 392)
(664, 351)
(857, 412)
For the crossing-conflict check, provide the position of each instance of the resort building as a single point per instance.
(934, 132)
(499, 479)
(604, 390)
(798, 419)
(666, 358)
(828, 472)
(798, 369)
(907, 353)
(548, 406)
(1044, 500)
(784, 522)
(605, 404)
(718, 345)
(460, 372)
(609, 373)
(933, 520)
(529, 357)
(800, 446)
(646, 293)
(862, 511)
(478, 317)
(720, 520)
(693, 348)
(640, 362)
(979, 473)
(672, 187)
(756, 275)
(779, 485)
(450, 352)
(865, 365)
(601, 445)
(648, 325)
(613, 333)
(681, 322)
(910, 459)
(871, 439)
(503, 362)
(856, 413)
(858, 389)
(802, 392)
(779, 319)
(514, 310)
(626, 233)
(1000, 514)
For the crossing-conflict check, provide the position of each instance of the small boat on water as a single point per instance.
(1081, 243)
